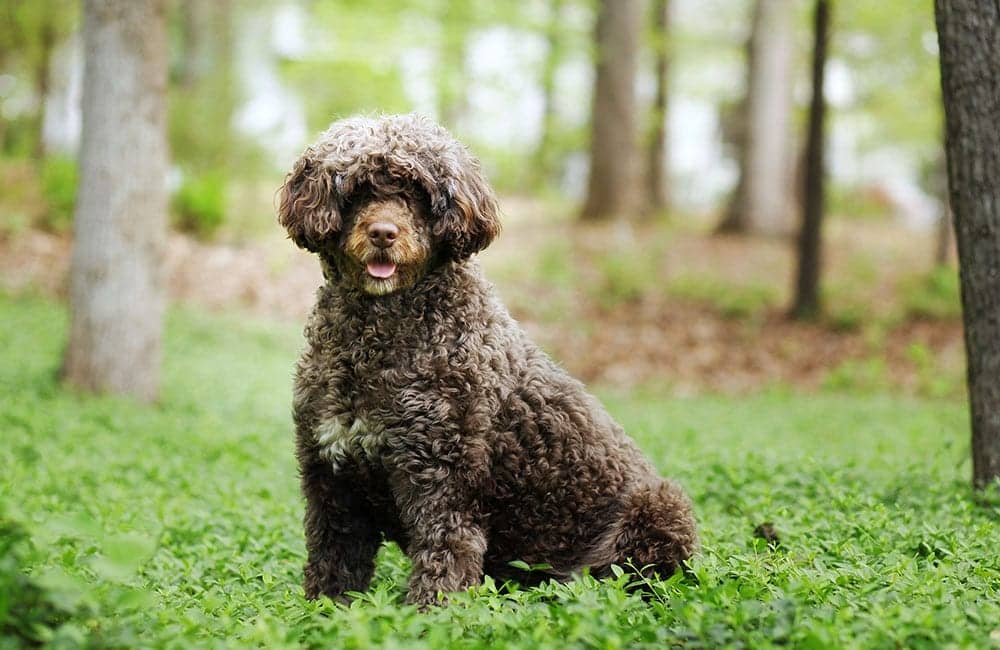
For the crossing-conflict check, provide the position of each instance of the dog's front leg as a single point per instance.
(447, 537)
(447, 554)
(341, 538)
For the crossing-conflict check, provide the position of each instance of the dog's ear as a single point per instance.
(468, 218)
(308, 206)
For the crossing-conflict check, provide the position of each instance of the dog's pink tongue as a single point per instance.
(381, 269)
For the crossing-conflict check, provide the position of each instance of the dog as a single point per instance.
(424, 415)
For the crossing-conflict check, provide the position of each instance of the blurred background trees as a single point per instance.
(663, 119)
(250, 83)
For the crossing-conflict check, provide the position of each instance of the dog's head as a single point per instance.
(385, 199)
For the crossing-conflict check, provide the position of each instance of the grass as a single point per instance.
(178, 525)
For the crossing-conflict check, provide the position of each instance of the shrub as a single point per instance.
(934, 296)
(868, 375)
(934, 380)
(626, 276)
(848, 315)
(200, 204)
(59, 182)
(28, 613)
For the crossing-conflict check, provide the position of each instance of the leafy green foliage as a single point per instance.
(200, 204)
(28, 612)
(340, 94)
(179, 525)
(891, 48)
(935, 296)
(59, 182)
(859, 376)
(932, 380)
(625, 275)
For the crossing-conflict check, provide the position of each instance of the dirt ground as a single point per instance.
(614, 304)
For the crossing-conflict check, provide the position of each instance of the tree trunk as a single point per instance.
(116, 272)
(204, 99)
(543, 158)
(942, 237)
(614, 161)
(658, 174)
(937, 184)
(969, 40)
(762, 203)
(42, 73)
(807, 301)
(453, 76)
(201, 40)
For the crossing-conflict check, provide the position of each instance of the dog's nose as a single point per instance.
(383, 234)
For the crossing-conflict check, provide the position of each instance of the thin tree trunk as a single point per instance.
(807, 299)
(938, 186)
(452, 80)
(969, 39)
(762, 203)
(116, 279)
(204, 98)
(543, 162)
(612, 189)
(658, 175)
(942, 238)
(199, 37)
(43, 71)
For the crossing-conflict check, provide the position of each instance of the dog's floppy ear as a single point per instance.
(468, 218)
(308, 204)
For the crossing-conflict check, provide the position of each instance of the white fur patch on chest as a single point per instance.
(344, 437)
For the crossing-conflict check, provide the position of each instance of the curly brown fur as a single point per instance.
(424, 414)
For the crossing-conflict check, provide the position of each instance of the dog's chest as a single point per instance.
(348, 437)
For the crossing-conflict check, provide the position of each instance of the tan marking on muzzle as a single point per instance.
(405, 249)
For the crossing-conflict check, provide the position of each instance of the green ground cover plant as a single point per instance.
(178, 525)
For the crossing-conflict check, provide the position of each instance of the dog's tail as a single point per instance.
(656, 531)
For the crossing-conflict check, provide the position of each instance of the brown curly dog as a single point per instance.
(424, 415)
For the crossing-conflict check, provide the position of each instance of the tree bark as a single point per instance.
(614, 157)
(762, 202)
(969, 40)
(116, 278)
(658, 174)
(807, 299)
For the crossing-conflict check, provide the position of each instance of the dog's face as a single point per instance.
(383, 200)
(386, 244)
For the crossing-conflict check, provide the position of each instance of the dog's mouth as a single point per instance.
(380, 270)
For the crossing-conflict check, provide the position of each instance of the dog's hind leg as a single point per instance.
(656, 532)
(341, 536)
